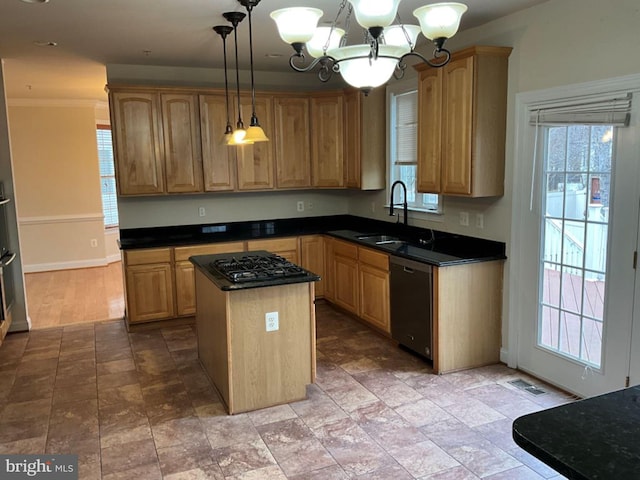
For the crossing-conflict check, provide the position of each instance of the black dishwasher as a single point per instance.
(412, 304)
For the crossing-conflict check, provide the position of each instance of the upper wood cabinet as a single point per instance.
(327, 144)
(255, 162)
(462, 123)
(182, 152)
(218, 160)
(293, 160)
(365, 139)
(137, 137)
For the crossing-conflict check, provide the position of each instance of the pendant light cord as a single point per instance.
(239, 124)
(226, 79)
(254, 119)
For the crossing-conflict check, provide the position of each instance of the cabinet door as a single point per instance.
(185, 289)
(352, 137)
(312, 258)
(181, 132)
(430, 131)
(218, 159)
(149, 292)
(327, 145)
(346, 283)
(138, 143)
(329, 270)
(285, 247)
(293, 160)
(457, 89)
(374, 296)
(255, 162)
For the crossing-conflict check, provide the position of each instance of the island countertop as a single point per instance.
(592, 439)
(204, 264)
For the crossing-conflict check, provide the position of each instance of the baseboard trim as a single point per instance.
(72, 265)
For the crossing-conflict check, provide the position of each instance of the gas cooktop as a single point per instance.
(255, 268)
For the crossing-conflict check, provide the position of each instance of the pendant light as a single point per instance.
(223, 31)
(255, 133)
(238, 135)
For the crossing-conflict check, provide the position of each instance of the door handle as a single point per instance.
(6, 263)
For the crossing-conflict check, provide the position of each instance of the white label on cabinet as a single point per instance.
(271, 319)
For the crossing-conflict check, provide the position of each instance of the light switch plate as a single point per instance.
(271, 320)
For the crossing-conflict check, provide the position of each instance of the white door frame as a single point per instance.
(525, 224)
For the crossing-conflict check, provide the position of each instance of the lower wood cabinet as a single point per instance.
(149, 289)
(185, 280)
(373, 271)
(312, 259)
(345, 270)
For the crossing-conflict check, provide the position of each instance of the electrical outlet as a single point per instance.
(479, 220)
(201, 212)
(464, 219)
(271, 320)
(300, 206)
(94, 243)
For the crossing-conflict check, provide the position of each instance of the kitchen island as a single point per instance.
(592, 439)
(256, 334)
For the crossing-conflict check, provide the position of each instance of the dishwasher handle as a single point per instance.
(408, 270)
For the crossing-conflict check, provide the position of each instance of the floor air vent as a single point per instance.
(526, 386)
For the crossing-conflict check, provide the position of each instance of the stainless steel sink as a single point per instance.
(380, 239)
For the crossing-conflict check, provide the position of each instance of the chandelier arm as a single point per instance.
(302, 68)
(398, 73)
(436, 53)
(326, 71)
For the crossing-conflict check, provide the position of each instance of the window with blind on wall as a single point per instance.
(403, 152)
(107, 176)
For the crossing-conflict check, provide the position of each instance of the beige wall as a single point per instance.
(57, 184)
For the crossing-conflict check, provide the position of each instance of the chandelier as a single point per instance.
(384, 48)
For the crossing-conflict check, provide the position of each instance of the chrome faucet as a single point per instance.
(404, 203)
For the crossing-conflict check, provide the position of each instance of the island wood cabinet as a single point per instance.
(184, 272)
(292, 142)
(312, 259)
(327, 144)
(462, 123)
(365, 139)
(149, 285)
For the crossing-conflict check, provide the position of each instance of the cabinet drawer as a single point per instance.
(345, 249)
(147, 255)
(373, 258)
(183, 253)
(274, 245)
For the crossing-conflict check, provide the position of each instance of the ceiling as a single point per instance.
(93, 33)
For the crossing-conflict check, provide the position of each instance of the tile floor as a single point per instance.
(139, 406)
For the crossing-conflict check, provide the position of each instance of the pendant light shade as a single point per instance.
(360, 70)
(296, 24)
(224, 31)
(238, 136)
(404, 36)
(254, 133)
(324, 39)
(375, 13)
(440, 20)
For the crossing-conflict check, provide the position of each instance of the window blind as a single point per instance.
(593, 110)
(107, 176)
(406, 129)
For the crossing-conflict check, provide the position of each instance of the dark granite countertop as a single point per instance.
(201, 262)
(423, 245)
(596, 438)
